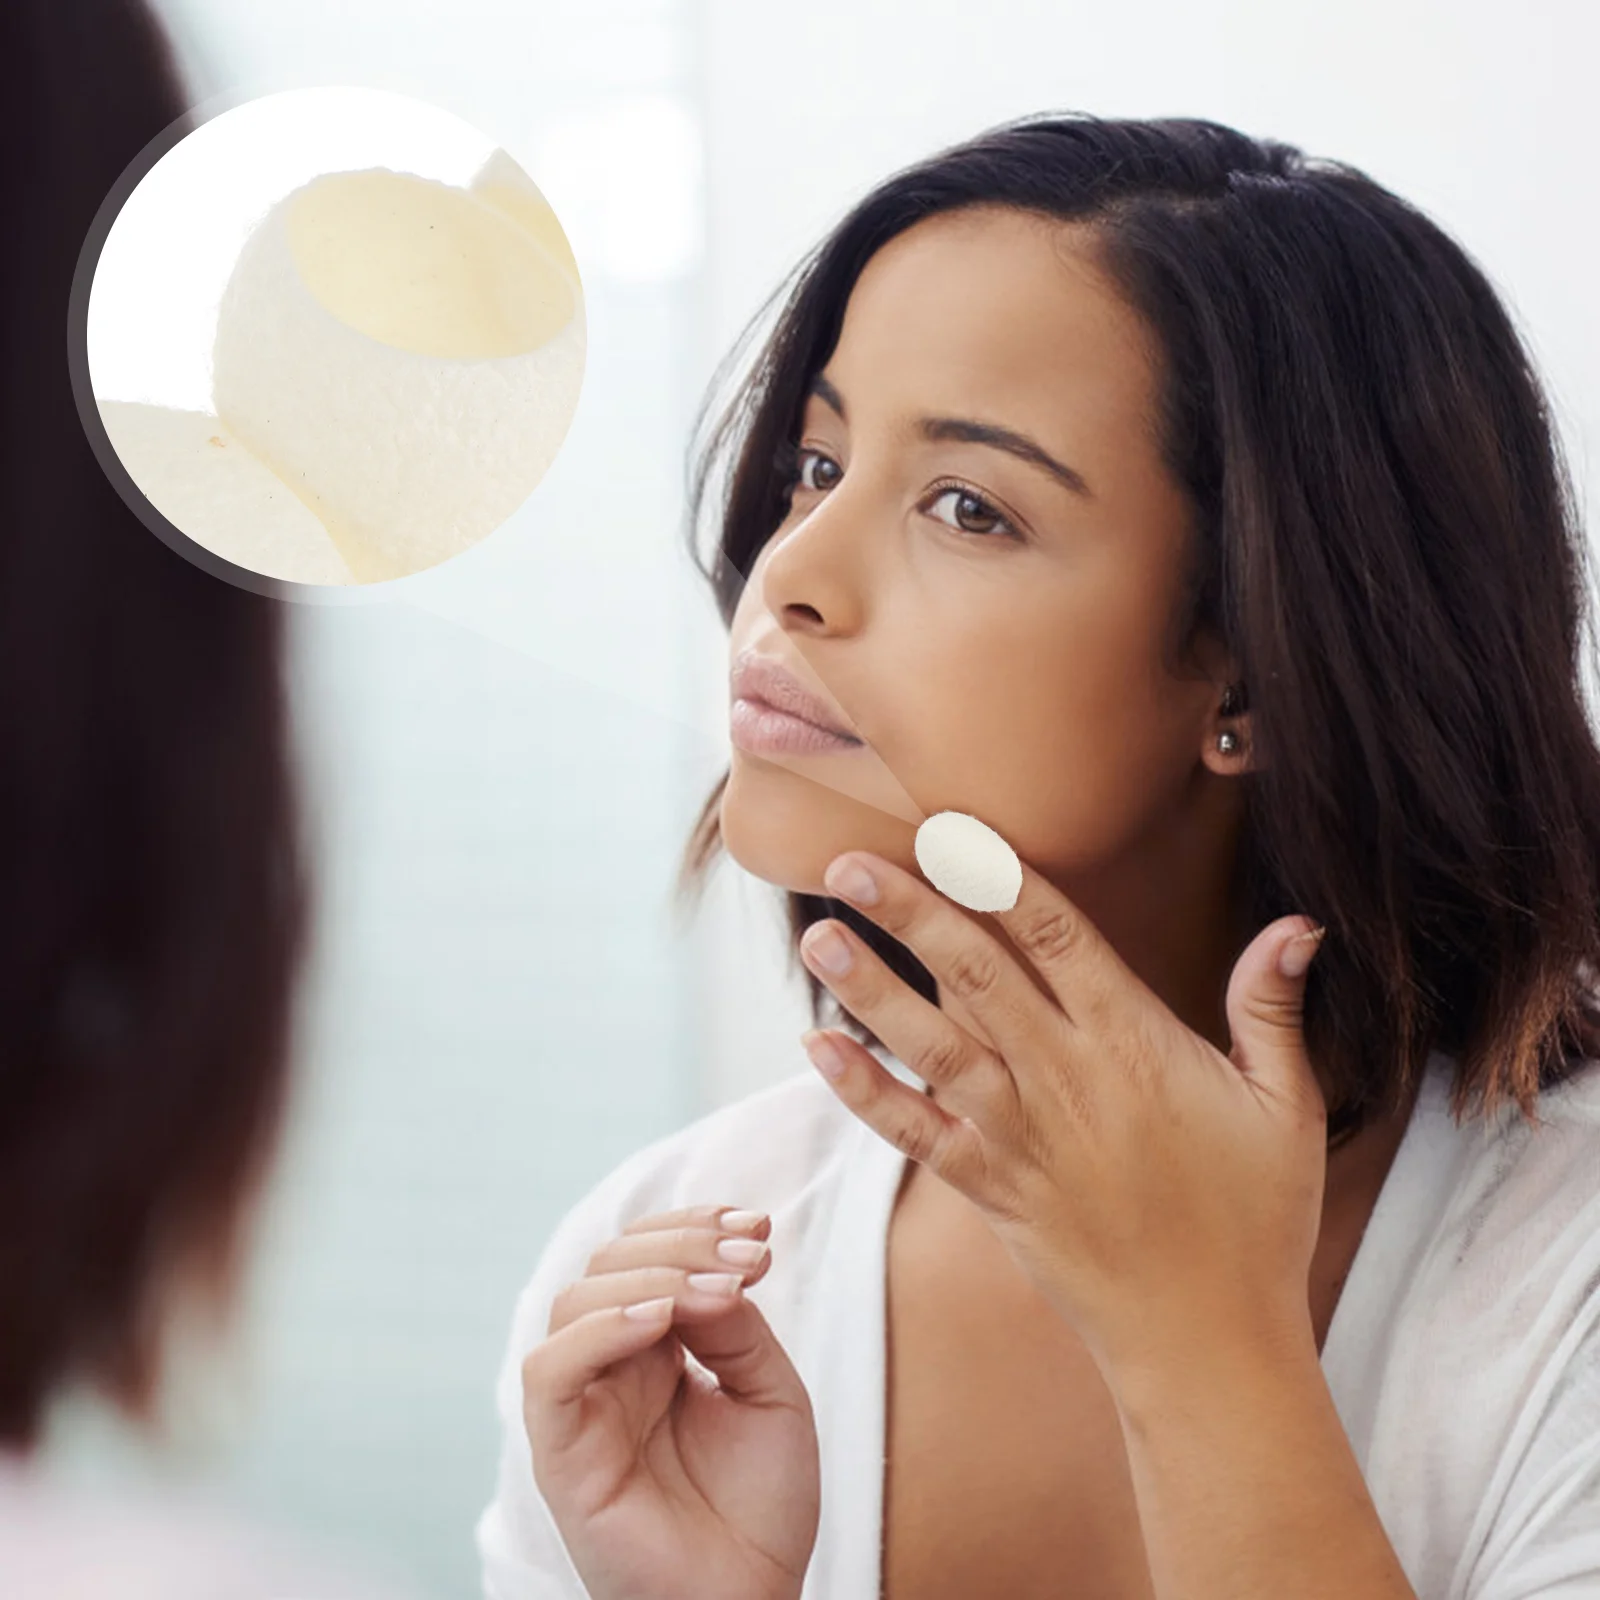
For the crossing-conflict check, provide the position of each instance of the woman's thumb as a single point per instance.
(1266, 1003)
(742, 1352)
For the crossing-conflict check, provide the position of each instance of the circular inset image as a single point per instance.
(335, 336)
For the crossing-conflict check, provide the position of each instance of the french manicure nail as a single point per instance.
(648, 1310)
(742, 1252)
(714, 1282)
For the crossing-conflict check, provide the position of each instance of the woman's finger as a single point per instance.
(914, 1123)
(697, 1293)
(973, 1079)
(695, 1249)
(742, 1352)
(733, 1218)
(557, 1372)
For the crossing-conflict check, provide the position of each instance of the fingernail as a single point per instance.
(828, 950)
(825, 1056)
(742, 1252)
(743, 1221)
(648, 1310)
(715, 1282)
(852, 881)
(1296, 955)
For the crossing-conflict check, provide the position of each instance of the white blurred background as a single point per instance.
(503, 763)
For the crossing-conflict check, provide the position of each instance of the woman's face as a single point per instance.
(988, 615)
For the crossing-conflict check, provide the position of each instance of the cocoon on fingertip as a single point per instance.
(969, 862)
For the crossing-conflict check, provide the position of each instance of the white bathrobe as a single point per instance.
(1463, 1356)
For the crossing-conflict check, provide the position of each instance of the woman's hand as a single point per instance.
(662, 1481)
(1157, 1192)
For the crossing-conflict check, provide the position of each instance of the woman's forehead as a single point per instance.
(999, 313)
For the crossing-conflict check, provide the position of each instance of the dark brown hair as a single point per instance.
(1384, 534)
(152, 894)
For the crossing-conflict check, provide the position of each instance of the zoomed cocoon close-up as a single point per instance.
(395, 364)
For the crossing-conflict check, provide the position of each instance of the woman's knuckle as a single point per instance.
(1053, 935)
(916, 1140)
(973, 974)
(964, 1157)
(940, 1060)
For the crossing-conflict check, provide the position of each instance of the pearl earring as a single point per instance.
(1233, 702)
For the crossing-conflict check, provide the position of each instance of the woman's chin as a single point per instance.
(787, 833)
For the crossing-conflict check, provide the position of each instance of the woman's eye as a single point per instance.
(809, 459)
(970, 509)
(969, 512)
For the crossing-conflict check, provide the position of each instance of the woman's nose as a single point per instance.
(815, 571)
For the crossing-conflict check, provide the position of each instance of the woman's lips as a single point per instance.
(762, 730)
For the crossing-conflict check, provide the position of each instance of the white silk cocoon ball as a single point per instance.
(412, 426)
(205, 482)
(968, 861)
(396, 364)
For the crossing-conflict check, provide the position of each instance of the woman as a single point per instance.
(154, 889)
(1187, 510)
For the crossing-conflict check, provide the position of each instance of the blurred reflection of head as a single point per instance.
(152, 891)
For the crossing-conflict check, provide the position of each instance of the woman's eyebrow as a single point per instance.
(1007, 439)
(828, 395)
(967, 431)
